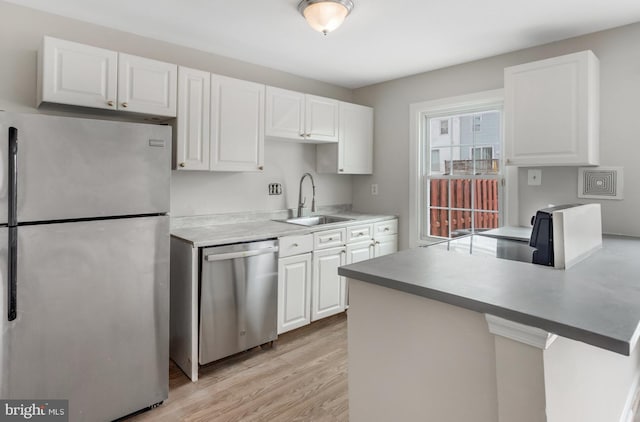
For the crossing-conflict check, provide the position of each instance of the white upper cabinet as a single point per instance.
(192, 132)
(322, 119)
(77, 74)
(301, 117)
(354, 152)
(147, 86)
(82, 75)
(237, 125)
(552, 111)
(284, 114)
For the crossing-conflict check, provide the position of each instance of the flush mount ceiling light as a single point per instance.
(325, 15)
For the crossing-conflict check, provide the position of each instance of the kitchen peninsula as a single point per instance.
(439, 335)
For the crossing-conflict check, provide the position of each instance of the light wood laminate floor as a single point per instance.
(303, 378)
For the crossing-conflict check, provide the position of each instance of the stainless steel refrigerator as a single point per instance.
(84, 260)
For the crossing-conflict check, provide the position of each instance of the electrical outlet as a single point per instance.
(374, 189)
(534, 177)
(275, 189)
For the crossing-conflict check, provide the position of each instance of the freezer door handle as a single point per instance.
(242, 254)
(12, 199)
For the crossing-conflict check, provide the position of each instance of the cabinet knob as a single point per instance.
(360, 234)
(302, 135)
(341, 170)
(377, 243)
(295, 245)
(260, 168)
(125, 105)
(386, 229)
(343, 251)
(331, 238)
(307, 135)
(181, 164)
(110, 103)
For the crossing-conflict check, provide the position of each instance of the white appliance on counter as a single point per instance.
(84, 263)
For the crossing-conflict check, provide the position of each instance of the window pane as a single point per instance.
(486, 135)
(486, 194)
(437, 162)
(461, 206)
(465, 131)
(439, 132)
(439, 222)
(485, 220)
(439, 197)
(439, 193)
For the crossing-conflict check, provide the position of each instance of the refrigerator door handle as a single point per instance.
(12, 256)
(12, 251)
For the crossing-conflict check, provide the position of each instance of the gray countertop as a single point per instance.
(220, 234)
(596, 302)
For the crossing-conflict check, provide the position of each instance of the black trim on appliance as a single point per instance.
(12, 219)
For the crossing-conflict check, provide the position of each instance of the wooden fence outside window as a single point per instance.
(485, 205)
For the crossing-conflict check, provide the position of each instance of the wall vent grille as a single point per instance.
(600, 182)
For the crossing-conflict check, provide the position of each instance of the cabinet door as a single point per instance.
(321, 119)
(294, 292)
(147, 86)
(359, 251)
(77, 74)
(385, 245)
(328, 288)
(192, 133)
(551, 111)
(284, 114)
(355, 149)
(237, 125)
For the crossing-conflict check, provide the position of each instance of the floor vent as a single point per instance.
(600, 182)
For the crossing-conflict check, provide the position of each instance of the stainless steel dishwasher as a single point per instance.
(238, 298)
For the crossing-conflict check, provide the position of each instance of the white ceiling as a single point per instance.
(379, 41)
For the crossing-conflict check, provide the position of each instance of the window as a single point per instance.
(444, 127)
(457, 179)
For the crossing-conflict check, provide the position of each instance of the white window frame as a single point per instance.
(418, 131)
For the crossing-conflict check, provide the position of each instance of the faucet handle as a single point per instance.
(303, 202)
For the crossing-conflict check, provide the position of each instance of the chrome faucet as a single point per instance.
(302, 201)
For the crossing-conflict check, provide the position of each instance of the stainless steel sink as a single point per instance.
(316, 220)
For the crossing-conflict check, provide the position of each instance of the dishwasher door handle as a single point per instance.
(241, 254)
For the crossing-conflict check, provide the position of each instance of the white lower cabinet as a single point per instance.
(359, 251)
(385, 245)
(328, 288)
(294, 292)
(309, 287)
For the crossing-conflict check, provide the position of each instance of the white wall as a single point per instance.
(192, 193)
(620, 89)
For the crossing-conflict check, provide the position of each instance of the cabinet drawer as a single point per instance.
(359, 233)
(294, 245)
(329, 238)
(384, 228)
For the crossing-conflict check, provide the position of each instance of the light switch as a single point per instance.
(534, 177)
(374, 189)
